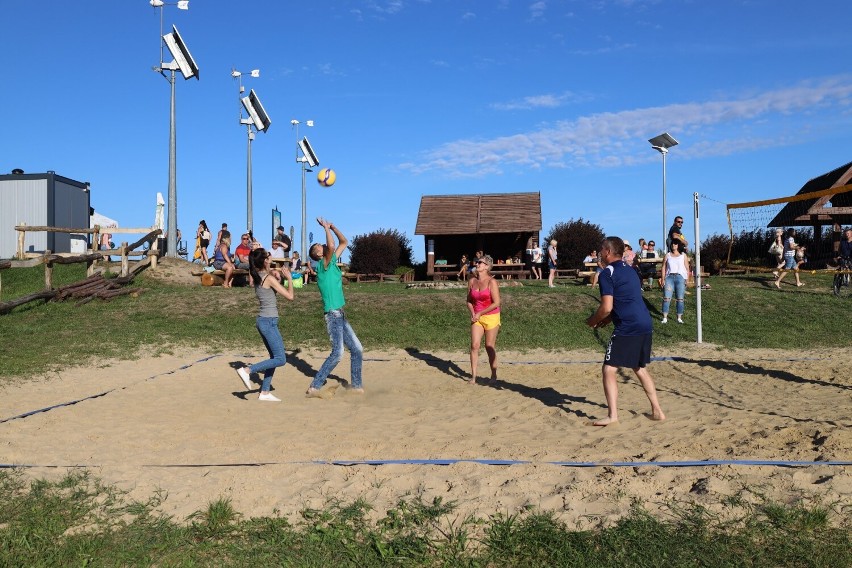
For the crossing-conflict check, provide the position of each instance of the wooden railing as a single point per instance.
(95, 285)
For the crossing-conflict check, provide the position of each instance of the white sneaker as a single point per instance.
(679, 320)
(245, 376)
(664, 320)
(268, 396)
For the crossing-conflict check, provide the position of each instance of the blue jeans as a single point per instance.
(340, 333)
(268, 328)
(677, 285)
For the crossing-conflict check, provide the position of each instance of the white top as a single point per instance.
(277, 252)
(676, 265)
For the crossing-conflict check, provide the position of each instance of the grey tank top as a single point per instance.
(266, 299)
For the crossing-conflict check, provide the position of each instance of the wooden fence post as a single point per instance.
(48, 271)
(21, 234)
(154, 252)
(125, 269)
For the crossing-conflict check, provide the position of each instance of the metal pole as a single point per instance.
(248, 185)
(172, 227)
(697, 269)
(304, 214)
(664, 151)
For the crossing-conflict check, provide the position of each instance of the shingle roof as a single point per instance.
(480, 213)
(797, 212)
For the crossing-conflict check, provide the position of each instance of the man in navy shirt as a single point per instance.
(630, 344)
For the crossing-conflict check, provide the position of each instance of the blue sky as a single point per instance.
(422, 97)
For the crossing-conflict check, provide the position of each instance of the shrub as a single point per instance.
(380, 252)
(574, 240)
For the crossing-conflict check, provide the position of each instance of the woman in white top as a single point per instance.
(675, 275)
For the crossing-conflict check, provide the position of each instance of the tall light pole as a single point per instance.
(661, 144)
(303, 159)
(183, 62)
(258, 119)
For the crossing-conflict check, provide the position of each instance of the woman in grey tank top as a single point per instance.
(266, 286)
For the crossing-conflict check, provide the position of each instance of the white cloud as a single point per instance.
(615, 139)
(537, 9)
(539, 101)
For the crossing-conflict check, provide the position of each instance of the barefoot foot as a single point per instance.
(605, 422)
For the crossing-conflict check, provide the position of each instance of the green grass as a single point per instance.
(79, 522)
(737, 313)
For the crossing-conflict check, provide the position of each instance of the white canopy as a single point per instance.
(102, 220)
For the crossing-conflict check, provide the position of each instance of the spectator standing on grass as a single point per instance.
(674, 277)
(777, 251)
(845, 249)
(222, 258)
(203, 236)
(537, 258)
(266, 286)
(330, 283)
(790, 248)
(551, 263)
(630, 343)
(483, 302)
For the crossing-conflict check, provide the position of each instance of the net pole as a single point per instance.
(697, 269)
(731, 240)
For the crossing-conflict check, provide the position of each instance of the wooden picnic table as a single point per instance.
(510, 270)
(441, 271)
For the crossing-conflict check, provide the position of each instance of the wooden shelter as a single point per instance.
(829, 203)
(500, 224)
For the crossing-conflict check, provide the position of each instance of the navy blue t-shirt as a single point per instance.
(629, 313)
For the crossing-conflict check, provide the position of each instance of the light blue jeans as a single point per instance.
(340, 333)
(268, 328)
(675, 284)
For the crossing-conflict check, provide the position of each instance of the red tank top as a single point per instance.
(481, 299)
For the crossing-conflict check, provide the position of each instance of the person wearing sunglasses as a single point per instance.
(483, 303)
(676, 232)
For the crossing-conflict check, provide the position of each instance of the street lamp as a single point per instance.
(182, 61)
(257, 120)
(661, 144)
(306, 157)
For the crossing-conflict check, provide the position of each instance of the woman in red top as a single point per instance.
(483, 302)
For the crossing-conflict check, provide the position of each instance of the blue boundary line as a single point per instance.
(98, 395)
(489, 462)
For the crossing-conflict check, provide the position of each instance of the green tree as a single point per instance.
(380, 252)
(574, 240)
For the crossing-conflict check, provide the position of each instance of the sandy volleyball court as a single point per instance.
(184, 425)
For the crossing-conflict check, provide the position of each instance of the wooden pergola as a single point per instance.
(824, 200)
(500, 224)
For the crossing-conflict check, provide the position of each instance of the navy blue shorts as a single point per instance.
(631, 351)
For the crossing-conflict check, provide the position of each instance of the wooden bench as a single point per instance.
(217, 277)
(442, 271)
(563, 273)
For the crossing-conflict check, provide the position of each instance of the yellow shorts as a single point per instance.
(489, 321)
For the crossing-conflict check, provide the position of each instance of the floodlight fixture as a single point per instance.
(260, 120)
(661, 144)
(309, 155)
(308, 158)
(182, 56)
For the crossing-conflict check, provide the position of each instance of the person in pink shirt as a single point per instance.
(483, 302)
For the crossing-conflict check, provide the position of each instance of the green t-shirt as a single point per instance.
(330, 282)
